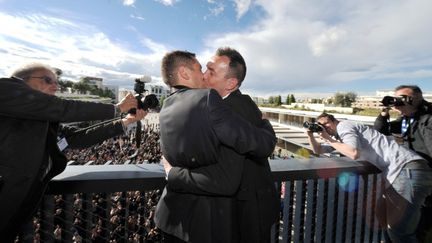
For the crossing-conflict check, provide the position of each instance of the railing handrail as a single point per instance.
(113, 178)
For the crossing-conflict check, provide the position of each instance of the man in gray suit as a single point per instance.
(198, 129)
(258, 203)
(29, 120)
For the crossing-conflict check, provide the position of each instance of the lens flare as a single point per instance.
(347, 181)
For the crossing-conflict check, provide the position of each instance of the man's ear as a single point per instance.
(183, 72)
(232, 84)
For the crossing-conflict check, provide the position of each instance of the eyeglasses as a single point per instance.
(47, 79)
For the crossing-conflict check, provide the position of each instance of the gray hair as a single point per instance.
(25, 71)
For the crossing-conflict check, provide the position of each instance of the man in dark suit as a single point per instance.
(30, 151)
(198, 129)
(258, 202)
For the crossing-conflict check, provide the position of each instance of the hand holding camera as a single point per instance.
(143, 102)
(312, 126)
(315, 127)
(127, 103)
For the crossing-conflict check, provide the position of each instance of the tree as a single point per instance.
(80, 87)
(351, 97)
(108, 93)
(345, 99)
(271, 100)
(278, 100)
(64, 84)
(292, 99)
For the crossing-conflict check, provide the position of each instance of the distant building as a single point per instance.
(158, 90)
(95, 81)
(368, 101)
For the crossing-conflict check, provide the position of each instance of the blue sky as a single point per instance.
(290, 46)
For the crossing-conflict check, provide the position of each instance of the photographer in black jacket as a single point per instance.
(414, 126)
(31, 145)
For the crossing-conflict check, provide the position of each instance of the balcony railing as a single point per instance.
(322, 200)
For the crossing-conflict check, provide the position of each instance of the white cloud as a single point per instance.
(128, 2)
(76, 48)
(302, 44)
(327, 40)
(218, 9)
(215, 8)
(242, 6)
(168, 2)
(293, 45)
(136, 17)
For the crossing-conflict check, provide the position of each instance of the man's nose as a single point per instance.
(204, 77)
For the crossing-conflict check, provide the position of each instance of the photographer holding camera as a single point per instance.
(408, 176)
(414, 126)
(32, 139)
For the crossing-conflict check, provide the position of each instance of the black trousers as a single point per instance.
(424, 229)
(167, 238)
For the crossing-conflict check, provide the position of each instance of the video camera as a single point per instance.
(146, 102)
(149, 101)
(312, 126)
(390, 101)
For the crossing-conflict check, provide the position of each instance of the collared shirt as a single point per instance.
(378, 149)
(226, 96)
(405, 125)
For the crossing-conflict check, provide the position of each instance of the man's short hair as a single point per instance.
(237, 65)
(326, 115)
(418, 100)
(415, 89)
(24, 72)
(172, 61)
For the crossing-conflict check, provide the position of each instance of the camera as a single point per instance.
(312, 126)
(390, 101)
(144, 102)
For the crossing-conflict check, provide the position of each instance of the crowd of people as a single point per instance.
(120, 149)
(130, 213)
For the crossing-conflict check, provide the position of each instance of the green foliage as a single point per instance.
(64, 84)
(345, 99)
(373, 112)
(271, 100)
(290, 99)
(278, 100)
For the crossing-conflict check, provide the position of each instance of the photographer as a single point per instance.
(408, 176)
(414, 126)
(31, 150)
